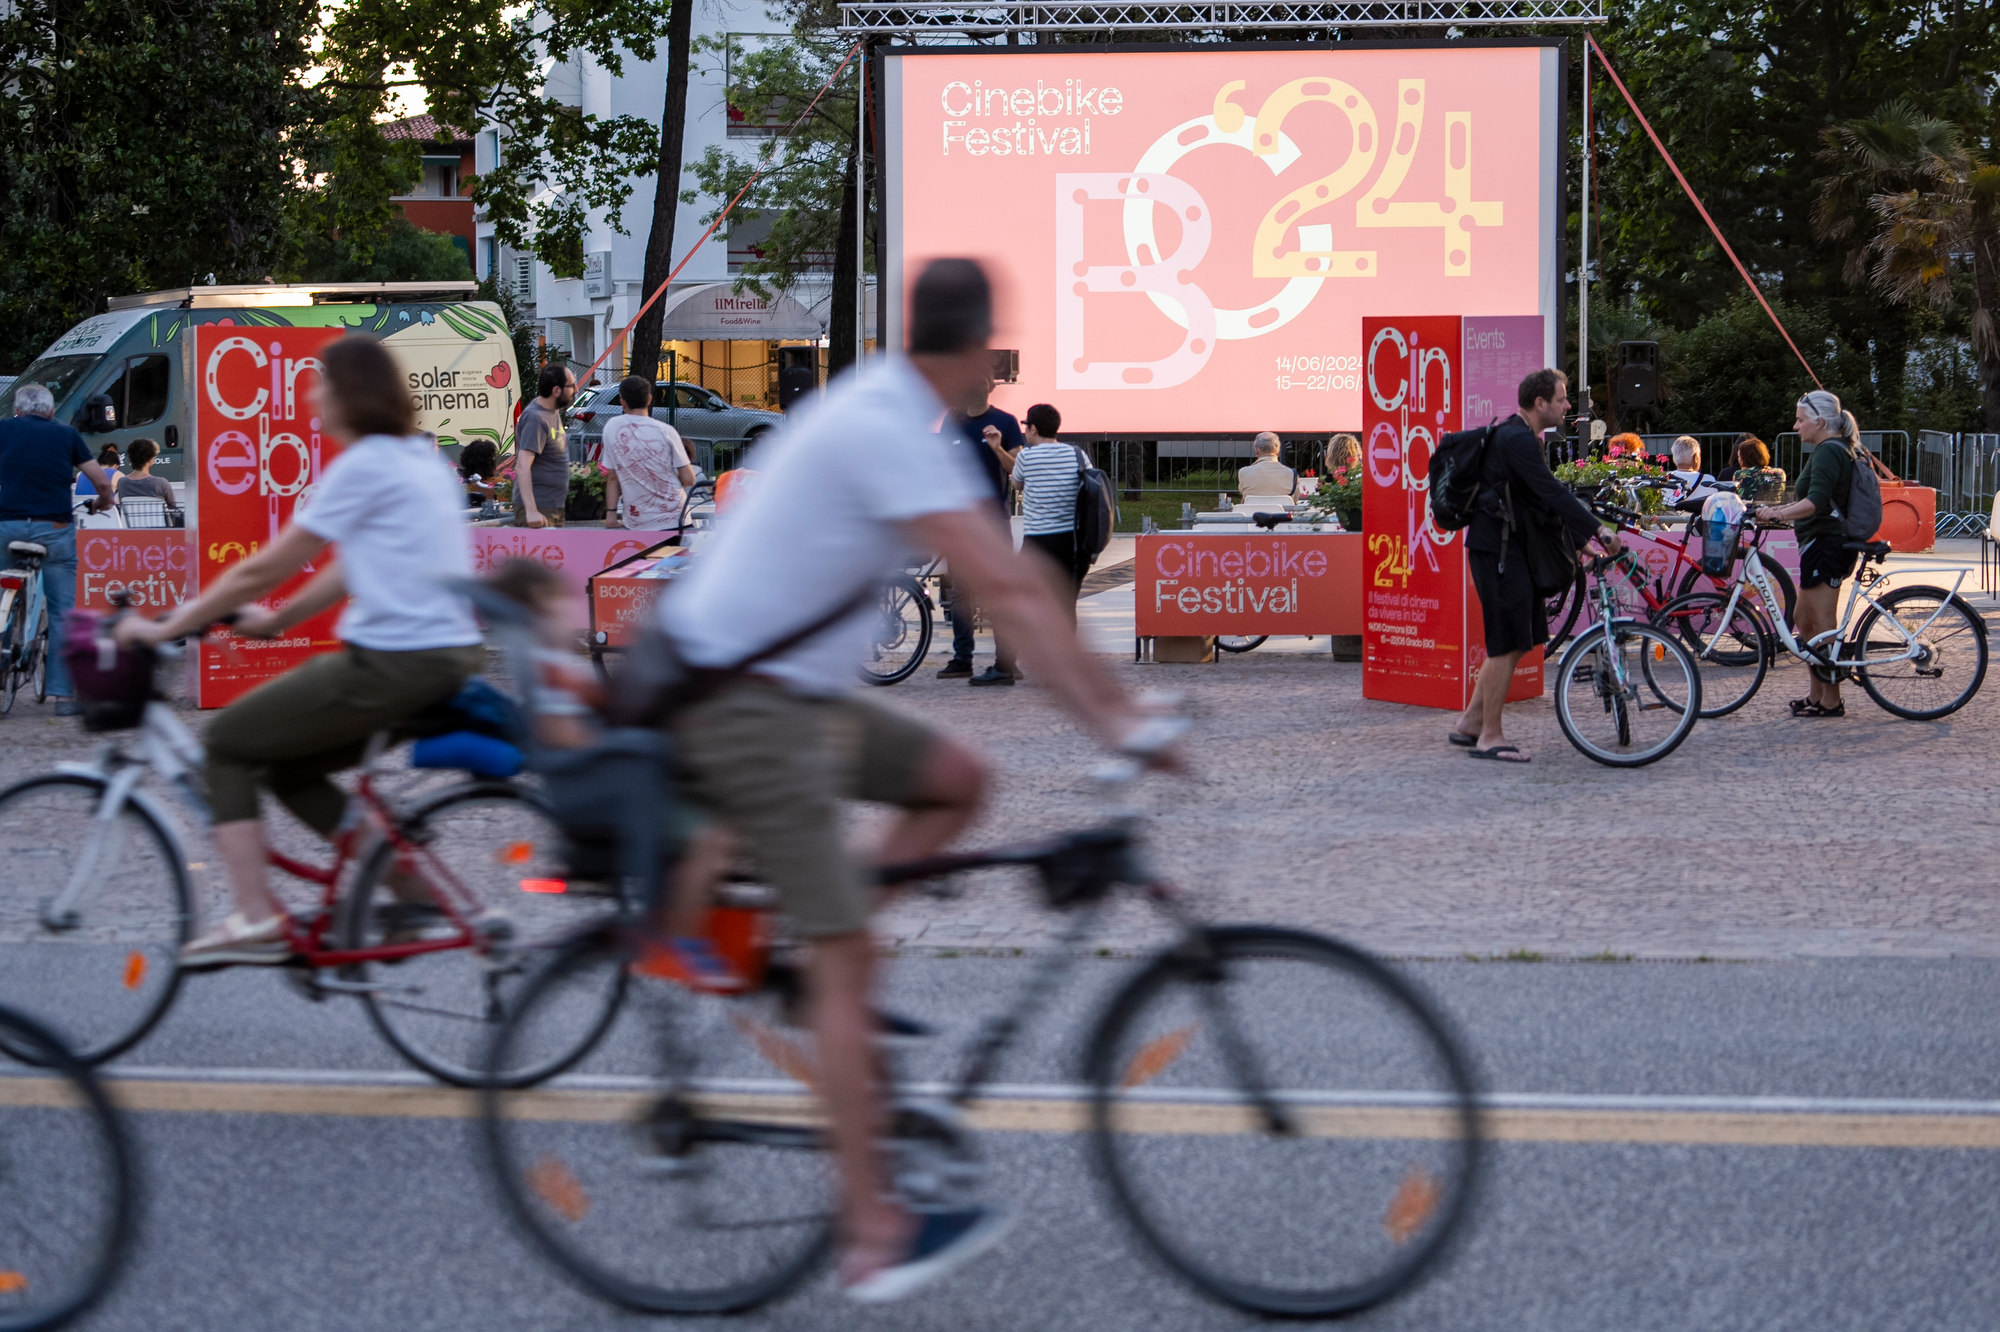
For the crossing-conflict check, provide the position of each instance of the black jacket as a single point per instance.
(1514, 456)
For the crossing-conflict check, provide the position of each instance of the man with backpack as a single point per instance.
(1516, 488)
(1838, 501)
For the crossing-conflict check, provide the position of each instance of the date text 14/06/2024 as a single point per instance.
(1317, 374)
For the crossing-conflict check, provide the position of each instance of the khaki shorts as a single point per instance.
(775, 766)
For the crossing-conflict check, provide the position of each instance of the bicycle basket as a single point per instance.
(1721, 525)
(113, 683)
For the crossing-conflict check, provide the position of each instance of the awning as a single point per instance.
(717, 312)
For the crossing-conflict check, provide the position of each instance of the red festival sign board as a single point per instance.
(258, 452)
(1423, 378)
(1196, 583)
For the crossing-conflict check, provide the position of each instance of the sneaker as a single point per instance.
(992, 675)
(689, 962)
(943, 1243)
(238, 942)
(67, 707)
(958, 668)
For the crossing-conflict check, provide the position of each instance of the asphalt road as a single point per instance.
(1686, 1201)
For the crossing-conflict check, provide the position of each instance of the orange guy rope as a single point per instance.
(1675, 168)
(754, 176)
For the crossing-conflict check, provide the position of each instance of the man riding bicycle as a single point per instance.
(845, 492)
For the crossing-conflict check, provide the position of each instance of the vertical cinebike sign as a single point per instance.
(1424, 377)
(258, 451)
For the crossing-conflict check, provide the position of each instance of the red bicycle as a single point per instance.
(451, 899)
(1645, 593)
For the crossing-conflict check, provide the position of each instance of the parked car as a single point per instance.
(715, 432)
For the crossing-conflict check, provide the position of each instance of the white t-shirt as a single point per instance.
(394, 511)
(1049, 474)
(833, 484)
(647, 454)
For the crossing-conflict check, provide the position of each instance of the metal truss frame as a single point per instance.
(914, 20)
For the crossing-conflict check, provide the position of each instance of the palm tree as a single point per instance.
(1920, 215)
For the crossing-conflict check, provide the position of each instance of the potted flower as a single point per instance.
(586, 493)
(1339, 492)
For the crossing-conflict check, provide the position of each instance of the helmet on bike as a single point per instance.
(1722, 527)
(113, 682)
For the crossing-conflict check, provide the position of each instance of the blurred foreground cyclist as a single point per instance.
(392, 508)
(844, 494)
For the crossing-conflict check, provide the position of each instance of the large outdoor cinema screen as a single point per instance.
(1185, 239)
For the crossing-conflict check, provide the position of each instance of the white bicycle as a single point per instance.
(1919, 651)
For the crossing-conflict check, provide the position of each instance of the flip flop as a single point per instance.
(1499, 754)
(1461, 739)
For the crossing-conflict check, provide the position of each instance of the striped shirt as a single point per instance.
(1049, 474)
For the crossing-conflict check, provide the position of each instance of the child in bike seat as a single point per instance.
(567, 715)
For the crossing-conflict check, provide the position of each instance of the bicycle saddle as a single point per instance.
(32, 549)
(1874, 550)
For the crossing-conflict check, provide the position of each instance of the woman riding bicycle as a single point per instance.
(392, 510)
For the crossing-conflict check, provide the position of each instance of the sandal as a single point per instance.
(1816, 710)
(1461, 739)
(1499, 754)
(1799, 705)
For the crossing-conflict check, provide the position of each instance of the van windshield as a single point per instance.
(60, 374)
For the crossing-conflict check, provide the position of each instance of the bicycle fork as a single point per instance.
(104, 846)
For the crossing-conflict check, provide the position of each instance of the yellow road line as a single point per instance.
(1061, 1115)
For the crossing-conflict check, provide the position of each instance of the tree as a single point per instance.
(144, 146)
(1740, 95)
(806, 194)
(644, 354)
(1731, 371)
(400, 252)
(1920, 215)
(486, 62)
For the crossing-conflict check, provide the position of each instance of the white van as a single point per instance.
(126, 374)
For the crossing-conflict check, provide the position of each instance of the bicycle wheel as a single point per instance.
(1562, 610)
(1952, 661)
(498, 845)
(697, 1185)
(11, 649)
(1627, 694)
(1239, 643)
(39, 648)
(902, 635)
(1694, 580)
(1287, 1123)
(66, 1185)
(1732, 651)
(96, 907)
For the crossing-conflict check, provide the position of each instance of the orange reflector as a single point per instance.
(544, 886)
(553, 1183)
(1659, 652)
(1155, 1056)
(12, 1283)
(516, 853)
(1416, 1201)
(135, 969)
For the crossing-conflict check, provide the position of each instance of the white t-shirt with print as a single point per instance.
(647, 454)
(394, 512)
(833, 485)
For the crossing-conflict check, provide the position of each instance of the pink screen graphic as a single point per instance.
(1186, 241)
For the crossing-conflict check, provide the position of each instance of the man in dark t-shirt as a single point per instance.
(541, 451)
(994, 439)
(39, 459)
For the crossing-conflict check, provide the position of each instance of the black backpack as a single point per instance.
(1861, 511)
(1456, 465)
(1096, 509)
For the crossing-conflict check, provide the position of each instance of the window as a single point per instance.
(148, 382)
(524, 277)
(775, 117)
(440, 178)
(489, 258)
(684, 396)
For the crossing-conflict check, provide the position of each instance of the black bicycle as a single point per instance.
(1286, 1123)
(66, 1186)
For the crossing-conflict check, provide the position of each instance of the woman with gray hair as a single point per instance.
(1824, 559)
